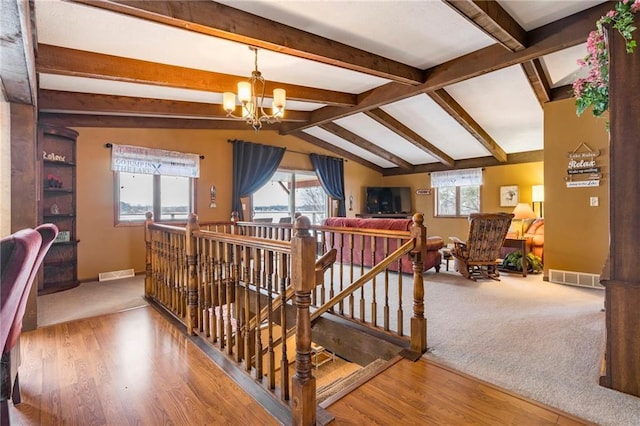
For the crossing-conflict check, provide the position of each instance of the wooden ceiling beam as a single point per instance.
(470, 163)
(455, 110)
(493, 20)
(17, 65)
(79, 63)
(403, 131)
(361, 142)
(549, 38)
(337, 150)
(57, 101)
(138, 122)
(537, 80)
(562, 92)
(225, 22)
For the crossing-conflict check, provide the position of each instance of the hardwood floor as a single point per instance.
(425, 393)
(128, 368)
(136, 367)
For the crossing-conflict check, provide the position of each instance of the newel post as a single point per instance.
(418, 254)
(148, 279)
(192, 274)
(303, 252)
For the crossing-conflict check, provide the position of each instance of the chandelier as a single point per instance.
(251, 97)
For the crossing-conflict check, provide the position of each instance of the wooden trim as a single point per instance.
(493, 20)
(363, 143)
(80, 63)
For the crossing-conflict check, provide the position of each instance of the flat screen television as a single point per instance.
(388, 199)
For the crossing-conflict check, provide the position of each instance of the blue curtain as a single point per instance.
(253, 166)
(330, 172)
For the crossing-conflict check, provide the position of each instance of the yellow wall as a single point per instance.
(524, 175)
(104, 247)
(576, 235)
(5, 168)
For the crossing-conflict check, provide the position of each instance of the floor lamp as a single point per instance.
(537, 196)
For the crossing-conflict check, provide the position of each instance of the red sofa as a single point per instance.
(434, 244)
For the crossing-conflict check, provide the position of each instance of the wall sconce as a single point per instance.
(537, 196)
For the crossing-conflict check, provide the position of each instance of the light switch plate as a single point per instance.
(593, 201)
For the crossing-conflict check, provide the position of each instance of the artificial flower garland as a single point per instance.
(593, 90)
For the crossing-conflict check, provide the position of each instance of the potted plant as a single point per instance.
(513, 262)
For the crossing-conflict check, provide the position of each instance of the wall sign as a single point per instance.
(426, 191)
(582, 167)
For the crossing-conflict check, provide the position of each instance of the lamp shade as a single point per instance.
(537, 193)
(523, 211)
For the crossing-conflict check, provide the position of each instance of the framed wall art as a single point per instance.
(509, 196)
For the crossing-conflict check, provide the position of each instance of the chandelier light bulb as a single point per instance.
(244, 91)
(229, 102)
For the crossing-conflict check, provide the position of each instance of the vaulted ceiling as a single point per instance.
(399, 86)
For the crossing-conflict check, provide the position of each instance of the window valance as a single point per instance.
(137, 159)
(464, 177)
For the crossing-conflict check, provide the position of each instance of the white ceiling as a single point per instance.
(422, 34)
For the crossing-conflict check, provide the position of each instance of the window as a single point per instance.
(287, 193)
(456, 201)
(169, 198)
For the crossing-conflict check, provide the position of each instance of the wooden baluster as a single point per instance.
(418, 321)
(148, 278)
(213, 289)
(229, 294)
(374, 303)
(303, 406)
(400, 300)
(271, 360)
(351, 275)
(192, 280)
(237, 303)
(247, 309)
(386, 286)
(257, 275)
(221, 290)
(284, 362)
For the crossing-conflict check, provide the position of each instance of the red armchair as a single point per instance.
(21, 256)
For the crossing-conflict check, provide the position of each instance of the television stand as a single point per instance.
(385, 215)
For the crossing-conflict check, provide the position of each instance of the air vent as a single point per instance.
(115, 275)
(579, 279)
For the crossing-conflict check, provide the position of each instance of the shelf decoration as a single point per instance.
(53, 157)
(53, 181)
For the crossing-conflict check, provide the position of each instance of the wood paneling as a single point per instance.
(622, 296)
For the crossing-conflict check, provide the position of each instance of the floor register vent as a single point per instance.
(115, 275)
(580, 279)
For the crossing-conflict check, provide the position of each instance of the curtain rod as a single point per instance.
(290, 150)
(110, 145)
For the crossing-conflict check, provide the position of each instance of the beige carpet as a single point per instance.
(91, 299)
(541, 340)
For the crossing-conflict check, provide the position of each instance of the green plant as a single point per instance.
(593, 90)
(513, 261)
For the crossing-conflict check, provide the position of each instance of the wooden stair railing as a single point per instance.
(177, 258)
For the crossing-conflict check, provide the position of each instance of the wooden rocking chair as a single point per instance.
(479, 254)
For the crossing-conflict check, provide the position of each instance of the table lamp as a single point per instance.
(521, 212)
